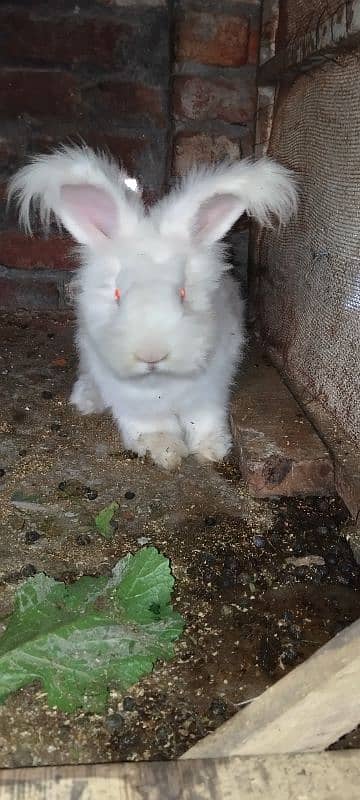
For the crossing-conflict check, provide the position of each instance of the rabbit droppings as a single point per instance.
(160, 329)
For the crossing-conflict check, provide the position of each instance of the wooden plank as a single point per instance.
(309, 709)
(328, 776)
(269, 25)
(278, 449)
(337, 33)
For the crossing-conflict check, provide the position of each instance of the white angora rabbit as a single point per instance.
(160, 322)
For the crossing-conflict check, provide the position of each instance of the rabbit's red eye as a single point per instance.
(182, 293)
(117, 294)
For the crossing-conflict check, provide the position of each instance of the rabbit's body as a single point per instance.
(160, 322)
(166, 414)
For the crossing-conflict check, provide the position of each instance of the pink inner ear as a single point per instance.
(90, 207)
(217, 215)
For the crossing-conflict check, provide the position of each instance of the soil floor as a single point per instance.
(261, 584)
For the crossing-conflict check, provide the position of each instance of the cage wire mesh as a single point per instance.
(309, 286)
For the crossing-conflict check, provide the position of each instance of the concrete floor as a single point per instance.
(202, 518)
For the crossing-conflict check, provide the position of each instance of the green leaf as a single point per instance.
(78, 640)
(146, 585)
(103, 520)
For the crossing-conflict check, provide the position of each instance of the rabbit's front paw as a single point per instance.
(165, 449)
(213, 447)
(85, 396)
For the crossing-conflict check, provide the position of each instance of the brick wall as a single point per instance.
(214, 89)
(161, 84)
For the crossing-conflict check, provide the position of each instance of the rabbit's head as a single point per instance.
(149, 278)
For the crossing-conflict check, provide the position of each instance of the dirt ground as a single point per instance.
(261, 585)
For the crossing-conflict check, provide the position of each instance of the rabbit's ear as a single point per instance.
(86, 192)
(87, 210)
(215, 217)
(209, 200)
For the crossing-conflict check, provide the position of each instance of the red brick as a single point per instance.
(126, 149)
(127, 3)
(13, 146)
(37, 91)
(3, 190)
(23, 252)
(253, 46)
(278, 450)
(71, 40)
(8, 148)
(142, 155)
(209, 38)
(33, 291)
(124, 100)
(50, 92)
(202, 148)
(231, 100)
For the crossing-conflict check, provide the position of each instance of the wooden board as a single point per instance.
(339, 32)
(309, 709)
(328, 776)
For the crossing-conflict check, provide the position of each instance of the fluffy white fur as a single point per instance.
(163, 363)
